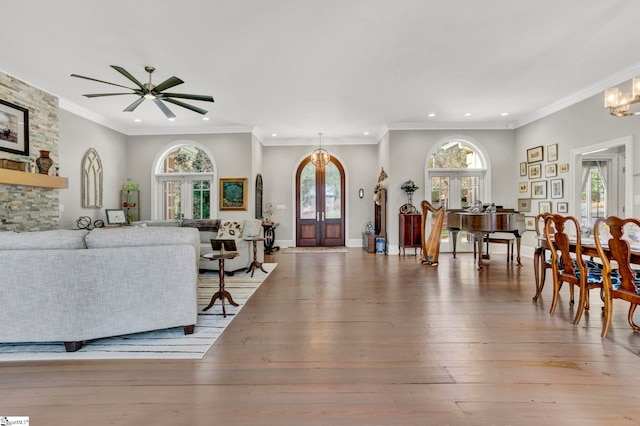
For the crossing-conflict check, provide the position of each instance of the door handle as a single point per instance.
(323, 216)
(317, 217)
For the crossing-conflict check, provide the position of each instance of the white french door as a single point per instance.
(185, 196)
(455, 189)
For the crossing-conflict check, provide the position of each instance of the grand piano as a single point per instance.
(481, 224)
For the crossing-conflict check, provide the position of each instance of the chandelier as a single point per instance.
(320, 157)
(619, 102)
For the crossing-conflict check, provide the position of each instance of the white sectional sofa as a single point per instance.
(209, 229)
(74, 285)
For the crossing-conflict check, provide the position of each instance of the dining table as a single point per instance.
(588, 249)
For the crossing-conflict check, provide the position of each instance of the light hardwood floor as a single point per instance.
(365, 339)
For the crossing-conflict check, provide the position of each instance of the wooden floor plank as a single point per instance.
(361, 339)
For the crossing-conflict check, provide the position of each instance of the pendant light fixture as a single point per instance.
(320, 157)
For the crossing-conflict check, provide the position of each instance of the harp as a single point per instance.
(431, 246)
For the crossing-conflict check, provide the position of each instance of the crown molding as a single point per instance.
(89, 115)
(150, 131)
(582, 94)
(453, 125)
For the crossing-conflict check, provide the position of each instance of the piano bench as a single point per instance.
(497, 240)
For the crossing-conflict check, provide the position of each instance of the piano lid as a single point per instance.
(510, 221)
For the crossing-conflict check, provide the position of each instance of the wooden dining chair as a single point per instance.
(613, 236)
(567, 268)
(540, 261)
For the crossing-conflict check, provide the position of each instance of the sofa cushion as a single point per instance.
(137, 237)
(67, 239)
(209, 225)
(230, 229)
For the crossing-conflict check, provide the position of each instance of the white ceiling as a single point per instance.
(342, 67)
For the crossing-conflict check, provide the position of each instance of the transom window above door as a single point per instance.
(456, 154)
(187, 159)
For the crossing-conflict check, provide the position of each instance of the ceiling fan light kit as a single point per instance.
(155, 93)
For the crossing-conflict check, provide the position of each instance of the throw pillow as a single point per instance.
(230, 229)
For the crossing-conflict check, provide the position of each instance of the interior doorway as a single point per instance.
(320, 205)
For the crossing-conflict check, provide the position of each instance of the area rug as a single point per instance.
(161, 344)
(297, 250)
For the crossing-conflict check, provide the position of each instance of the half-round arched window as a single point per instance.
(186, 159)
(184, 177)
(456, 154)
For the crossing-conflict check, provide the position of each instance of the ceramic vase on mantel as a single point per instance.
(44, 162)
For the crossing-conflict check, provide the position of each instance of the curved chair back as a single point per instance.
(563, 237)
(613, 237)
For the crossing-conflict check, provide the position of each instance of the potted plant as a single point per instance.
(410, 187)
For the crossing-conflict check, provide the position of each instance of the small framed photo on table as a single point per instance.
(116, 217)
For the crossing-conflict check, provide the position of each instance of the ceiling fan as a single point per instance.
(150, 91)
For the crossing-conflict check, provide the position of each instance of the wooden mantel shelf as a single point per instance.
(13, 177)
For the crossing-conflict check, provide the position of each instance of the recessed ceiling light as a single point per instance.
(432, 114)
(467, 114)
(137, 120)
(366, 133)
(504, 114)
(205, 118)
(274, 134)
(172, 119)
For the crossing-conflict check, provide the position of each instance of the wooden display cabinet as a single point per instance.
(410, 232)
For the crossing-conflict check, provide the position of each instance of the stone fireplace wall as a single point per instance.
(24, 208)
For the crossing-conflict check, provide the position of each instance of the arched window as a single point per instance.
(184, 183)
(456, 177)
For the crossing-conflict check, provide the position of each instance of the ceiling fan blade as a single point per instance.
(100, 81)
(134, 105)
(96, 95)
(187, 96)
(164, 108)
(187, 106)
(129, 76)
(167, 84)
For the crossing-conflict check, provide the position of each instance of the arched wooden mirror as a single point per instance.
(91, 180)
(259, 196)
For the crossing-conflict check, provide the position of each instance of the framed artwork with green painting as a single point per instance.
(233, 194)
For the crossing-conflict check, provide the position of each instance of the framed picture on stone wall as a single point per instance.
(14, 128)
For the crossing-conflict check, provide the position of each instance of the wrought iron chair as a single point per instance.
(613, 237)
(572, 270)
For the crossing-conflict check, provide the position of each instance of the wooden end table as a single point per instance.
(221, 293)
(255, 264)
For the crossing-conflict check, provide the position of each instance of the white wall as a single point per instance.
(361, 169)
(583, 124)
(408, 156)
(232, 156)
(77, 135)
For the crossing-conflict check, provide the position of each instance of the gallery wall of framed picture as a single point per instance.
(542, 182)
